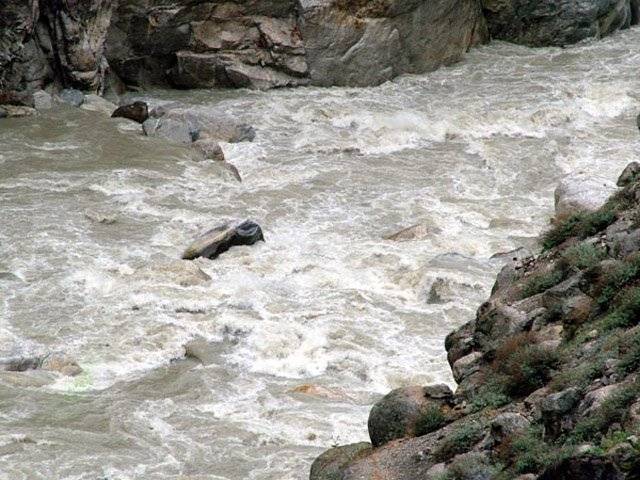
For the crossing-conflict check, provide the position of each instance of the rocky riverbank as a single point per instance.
(548, 372)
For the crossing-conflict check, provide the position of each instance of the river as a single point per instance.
(308, 329)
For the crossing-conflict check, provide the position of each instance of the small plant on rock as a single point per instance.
(524, 365)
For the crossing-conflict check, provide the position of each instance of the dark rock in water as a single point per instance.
(72, 97)
(330, 464)
(629, 174)
(20, 364)
(222, 238)
(12, 97)
(638, 121)
(136, 111)
(54, 362)
(15, 111)
(579, 468)
(410, 411)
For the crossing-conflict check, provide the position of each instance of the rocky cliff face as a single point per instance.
(557, 22)
(548, 372)
(53, 40)
(288, 43)
(246, 43)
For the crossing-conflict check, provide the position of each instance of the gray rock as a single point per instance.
(169, 129)
(555, 22)
(95, 103)
(368, 43)
(466, 366)
(581, 192)
(42, 100)
(507, 425)
(561, 402)
(408, 411)
(222, 238)
(330, 465)
(629, 174)
(72, 97)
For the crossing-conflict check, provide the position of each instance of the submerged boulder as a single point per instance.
(222, 238)
(53, 362)
(136, 111)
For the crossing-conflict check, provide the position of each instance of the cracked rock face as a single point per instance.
(288, 43)
(557, 22)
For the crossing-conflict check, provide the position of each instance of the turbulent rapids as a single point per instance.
(257, 362)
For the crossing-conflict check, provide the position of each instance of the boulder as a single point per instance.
(222, 238)
(466, 366)
(42, 100)
(544, 23)
(505, 426)
(136, 111)
(580, 192)
(169, 129)
(409, 411)
(72, 97)
(629, 174)
(96, 103)
(330, 464)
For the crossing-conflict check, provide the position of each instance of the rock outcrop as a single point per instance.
(50, 40)
(288, 43)
(557, 22)
(548, 372)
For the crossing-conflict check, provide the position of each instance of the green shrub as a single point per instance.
(619, 277)
(541, 282)
(432, 419)
(529, 453)
(626, 313)
(584, 255)
(490, 395)
(473, 465)
(580, 225)
(461, 440)
(630, 360)
(523, 365)
(613, 409)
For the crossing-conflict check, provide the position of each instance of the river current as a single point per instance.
(308, 329)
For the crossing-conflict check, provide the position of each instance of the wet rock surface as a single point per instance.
(222, 238)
